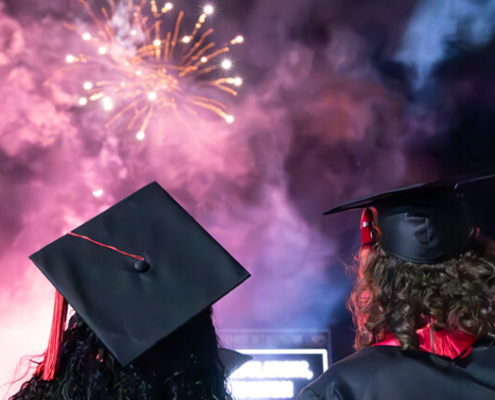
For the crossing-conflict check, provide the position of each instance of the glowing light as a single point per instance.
(237, 81)
(86, 36)
(274, 369)
(170, 66)
(238, 39)
(226, 64)
(96, 96)
(107, 103)
(140, 135)
(82, 101)
(98, 193)
(208, 9)
(70, 58)
(272, 379)
(273, 389)
(323, 353)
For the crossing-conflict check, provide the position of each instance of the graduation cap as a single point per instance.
(135, 273)
(232, 360)
(423, 224)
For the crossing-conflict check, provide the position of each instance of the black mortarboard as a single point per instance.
(424, 223)
(139, 270)
(232, 360)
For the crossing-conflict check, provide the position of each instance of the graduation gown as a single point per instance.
(387, 373)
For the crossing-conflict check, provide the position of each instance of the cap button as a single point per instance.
(141, 266)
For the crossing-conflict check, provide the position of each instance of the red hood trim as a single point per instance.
(447, 344)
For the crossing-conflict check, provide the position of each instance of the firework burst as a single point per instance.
(152, 68)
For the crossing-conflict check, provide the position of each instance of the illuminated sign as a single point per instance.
(276, 372)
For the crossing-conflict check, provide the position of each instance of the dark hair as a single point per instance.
(399, 297)
(184, 365)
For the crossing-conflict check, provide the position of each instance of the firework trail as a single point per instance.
(151, 70)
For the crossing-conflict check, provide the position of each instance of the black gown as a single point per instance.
(387, 373)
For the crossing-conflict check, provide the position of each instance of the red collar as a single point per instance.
(445, 343)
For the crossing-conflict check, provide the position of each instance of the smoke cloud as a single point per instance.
(439, 28)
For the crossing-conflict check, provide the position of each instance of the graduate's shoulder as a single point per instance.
(354, 371)
(365, 362)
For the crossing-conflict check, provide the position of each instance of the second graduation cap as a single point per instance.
(425, 223)
(139, 270)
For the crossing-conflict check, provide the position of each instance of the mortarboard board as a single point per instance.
(139, 270)
(232, 360)
(424, 223)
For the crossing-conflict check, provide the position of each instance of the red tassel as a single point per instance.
(367, 228)
(49, 365)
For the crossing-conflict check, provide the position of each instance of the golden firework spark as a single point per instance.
(153, 69)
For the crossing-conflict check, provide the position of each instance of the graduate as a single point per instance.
(423, 303)
(141, 277)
